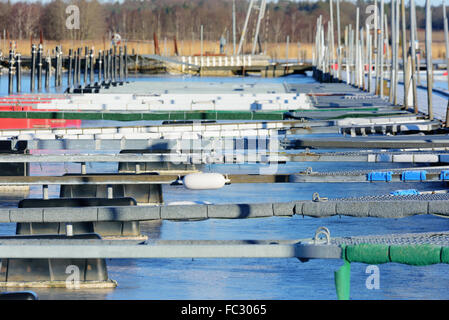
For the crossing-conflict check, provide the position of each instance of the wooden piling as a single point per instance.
(33, 67)
(126, 62)
(47, 72)
(396, 61)
(370, 61)
(120, 64)
(100, 66)
(69, 75)
(356, 57)
(347, 54)
(374, 38)
(56, 66)
(331, 45)
(446, 40)
(404, 55)
(339, 51)
(413, 55)
(387, 55)
(114, 64)
(393, 52)
(105, 65)
(80, 51)
(39, 67)
(61, 62)
(86, 58)
(429, 57)
(18, 73)
(110, 64)
(381, 48)
(75, 71)
(91, 66)
(11, 72)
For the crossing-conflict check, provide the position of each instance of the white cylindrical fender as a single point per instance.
(203, 181)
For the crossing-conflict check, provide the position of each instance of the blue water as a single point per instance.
(166, 78)
(259, 278)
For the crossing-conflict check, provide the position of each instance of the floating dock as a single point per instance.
(98, 215)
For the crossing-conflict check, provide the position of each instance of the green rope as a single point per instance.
(342, 278)
(415, 255)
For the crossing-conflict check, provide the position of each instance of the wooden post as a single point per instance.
(175, 45)
(111, 65)
(91, 66)
(393, 52)
(446, 40)
(413, 55)
(126, 63)
(61, 62)
(418, 53)
(18, 73)
(429, 57)
(75, 70)
(356, 57)
(105, 64)
(157, 51)
(33, 67)
(86, 64)
(11, 72)
(100, 65)
(286, 54)
(328, 55)
(331, 45)
(39, 68)
(396, 62)
(367, 57)
(370, 56)
(339, 53)
(351, 53)
(201, 49)
(114, 64)
(201, 40)
(387, 51)
(404, 56)
(233, 28)
(376, 46)
(120, 54)
(382, 49)
(69, 75)
(56, 65)
(362, 59)
(80, 51)
(347, 55)
(47, 71)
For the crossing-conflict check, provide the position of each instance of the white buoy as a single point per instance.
(202, 181)
(69, 230)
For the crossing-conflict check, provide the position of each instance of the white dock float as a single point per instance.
(180, 102)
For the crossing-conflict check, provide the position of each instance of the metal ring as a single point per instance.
(325, 231)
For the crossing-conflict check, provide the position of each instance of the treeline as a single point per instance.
(139, 19)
